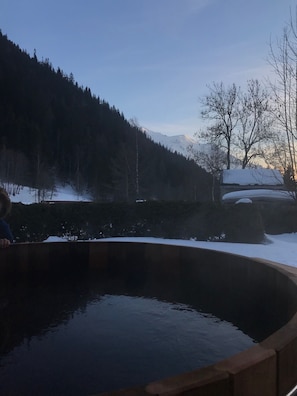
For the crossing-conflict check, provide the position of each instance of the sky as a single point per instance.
(153, 60)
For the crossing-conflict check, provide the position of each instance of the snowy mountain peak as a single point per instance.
(177, 143)
(185, 145)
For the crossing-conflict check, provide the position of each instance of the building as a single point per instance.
(253, 185)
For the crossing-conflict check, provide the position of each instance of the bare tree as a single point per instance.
(212, 159)
(220, 107)
(255, 121)
(283, 59)
(240, 122)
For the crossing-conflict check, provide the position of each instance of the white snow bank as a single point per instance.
(244, 200)
(258, 195)
(281, 249)
(278, 248)
(27, 195)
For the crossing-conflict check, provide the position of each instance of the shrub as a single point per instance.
(244, 224)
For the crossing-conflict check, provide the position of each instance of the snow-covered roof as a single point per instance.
(259, 195)
(252, 177)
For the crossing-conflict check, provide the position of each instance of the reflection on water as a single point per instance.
(118, 341)
(75, 337)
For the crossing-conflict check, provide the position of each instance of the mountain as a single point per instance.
(53, 131)
(181, 144)
(178, 143)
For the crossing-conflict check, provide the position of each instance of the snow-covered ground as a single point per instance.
(28, 195)
(279, 248)
(259, 195)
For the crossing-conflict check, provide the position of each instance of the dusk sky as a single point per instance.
(151, 59)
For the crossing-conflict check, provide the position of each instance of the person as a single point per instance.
(6, 237)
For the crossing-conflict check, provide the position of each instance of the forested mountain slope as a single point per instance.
(53, 130)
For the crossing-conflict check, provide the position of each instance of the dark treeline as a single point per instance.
(52, 130)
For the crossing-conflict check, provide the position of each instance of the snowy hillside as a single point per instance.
(178, 143)
(182, 143)
(27, 195)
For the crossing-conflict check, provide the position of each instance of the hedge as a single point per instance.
(181, 220)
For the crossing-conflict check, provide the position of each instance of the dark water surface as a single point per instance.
(79, 337)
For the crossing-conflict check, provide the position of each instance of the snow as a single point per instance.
(255, 177)
(177, 143)
(258, 195)
(244, 200)
(252, 176)
(27, 195)
(278, 248)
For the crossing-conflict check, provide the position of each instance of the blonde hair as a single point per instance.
(6, 203)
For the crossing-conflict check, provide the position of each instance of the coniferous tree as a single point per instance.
(64, 133)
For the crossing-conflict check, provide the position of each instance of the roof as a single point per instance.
(252, 177)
